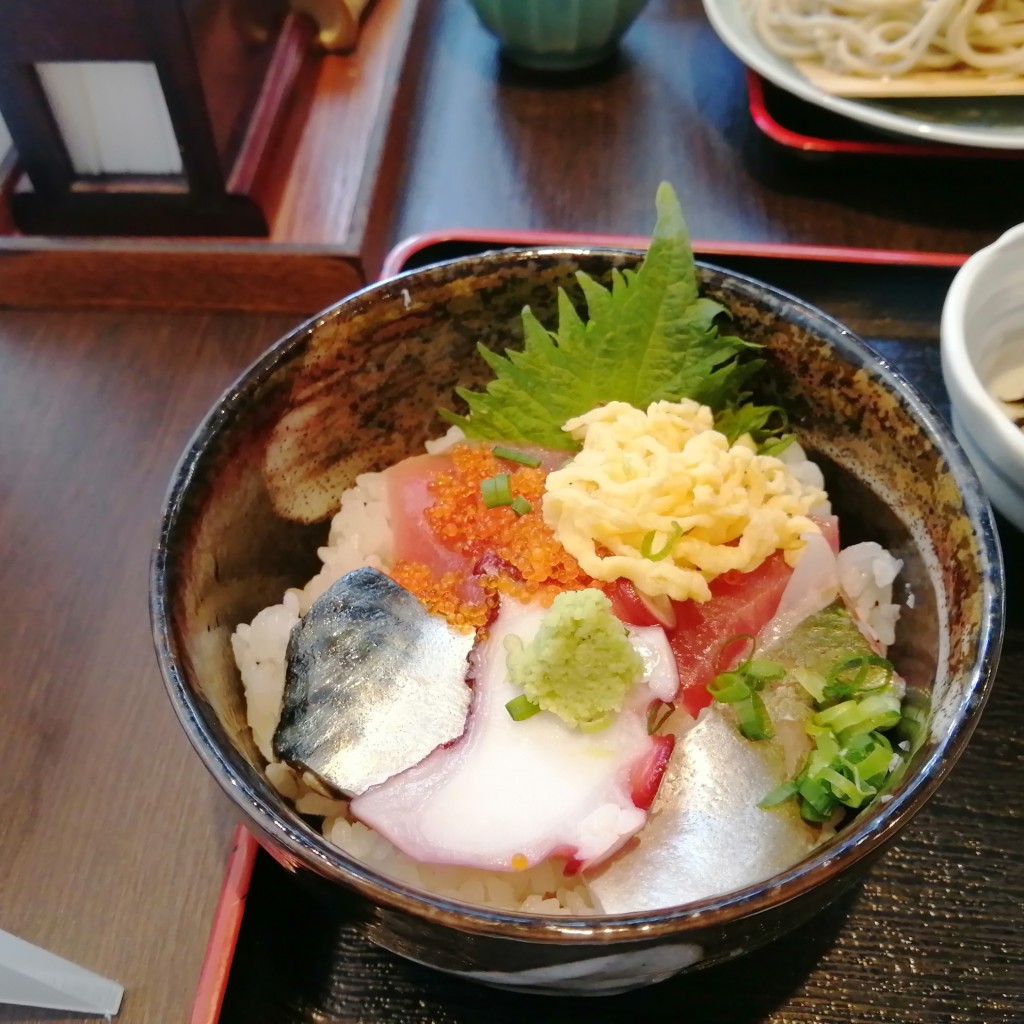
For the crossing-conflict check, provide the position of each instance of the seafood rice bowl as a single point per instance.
(858, 578)
(635, 665)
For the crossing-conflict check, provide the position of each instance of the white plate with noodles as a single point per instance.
(989, 122)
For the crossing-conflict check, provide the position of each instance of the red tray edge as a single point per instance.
(227, 918)
(770, 126)
(397, 257)
(227, 923)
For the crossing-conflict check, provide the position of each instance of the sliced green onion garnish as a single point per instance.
(879, 711)
(739, 687)
(812, 682)
(810, 813)
(845, 790)
(521, 708)
(850, 677)
(738, 638)
(496, 491)
(913, 728)
(859, 748)
(753, 718)
(852, 760)
(761, 672)
(840, 717)
(520, 505)
(647, 544)
(869, 754)
(779, 795)
(880, 721)
(729, 687)
(514, 455)
(826, 746)
(816, 798)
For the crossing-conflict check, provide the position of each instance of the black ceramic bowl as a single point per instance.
(357, 388)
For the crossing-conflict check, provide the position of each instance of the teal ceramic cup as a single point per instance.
(556, 35)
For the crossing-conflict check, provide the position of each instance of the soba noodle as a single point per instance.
(880, 38)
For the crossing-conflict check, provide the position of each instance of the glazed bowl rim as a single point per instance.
(317, 854)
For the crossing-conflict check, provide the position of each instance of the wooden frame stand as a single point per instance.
(225, 70)
(326, 186)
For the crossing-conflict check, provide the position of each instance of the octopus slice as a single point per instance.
(509, 794)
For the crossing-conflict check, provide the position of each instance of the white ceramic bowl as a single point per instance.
(982, 336)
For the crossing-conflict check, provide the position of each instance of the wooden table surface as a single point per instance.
(113, 839)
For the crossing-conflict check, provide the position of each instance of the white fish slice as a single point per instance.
(30, 976)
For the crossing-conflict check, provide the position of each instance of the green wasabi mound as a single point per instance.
(580, 665)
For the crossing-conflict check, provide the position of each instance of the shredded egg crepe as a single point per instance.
(662, 499)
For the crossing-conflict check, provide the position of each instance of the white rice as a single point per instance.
(866, 575)
(541, 889)
(360, 535)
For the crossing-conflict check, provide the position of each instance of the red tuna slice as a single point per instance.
(633, 609)
(741, 603)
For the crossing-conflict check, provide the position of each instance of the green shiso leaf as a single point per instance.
(649, 337)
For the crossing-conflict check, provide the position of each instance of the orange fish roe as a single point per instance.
(461, 521)
(441, 595)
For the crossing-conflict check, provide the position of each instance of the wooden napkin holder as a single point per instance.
(226, 70)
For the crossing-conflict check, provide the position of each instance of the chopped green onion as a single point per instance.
(738, 638)
(913, 728)
(826, 747)
(839, 684)
(514, 455)
(877, 722)
(859, 748)
(840, 717)
(753, 718)
(812, 682)
(871, 759)
(817, 802)
(779, 795)
(761, 672)
(647, 544)
(811, 814)
(739, 687)
(729, 687)
(877, 712)
(521, 708)
(852, 760)
(520, 505)
(844, 789)
(496, 491)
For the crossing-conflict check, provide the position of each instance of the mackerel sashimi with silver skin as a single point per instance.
(598, 650)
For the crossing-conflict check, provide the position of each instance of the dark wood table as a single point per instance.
(113, 840)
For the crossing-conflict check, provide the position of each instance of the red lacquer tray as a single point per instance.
(805, 129)
(920, 942)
